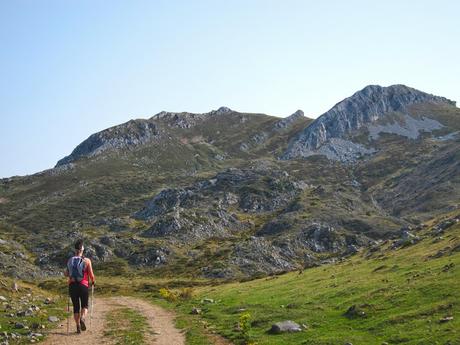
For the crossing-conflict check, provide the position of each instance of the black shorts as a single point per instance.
(79, 295)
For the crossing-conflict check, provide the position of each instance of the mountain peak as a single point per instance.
(288, 121)
(354, 112)
(222, 110)
(184, 114)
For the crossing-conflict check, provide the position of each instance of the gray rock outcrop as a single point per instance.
(285, 327)
(136, 132)
(362, 108)
(288, 121)
(131, 133)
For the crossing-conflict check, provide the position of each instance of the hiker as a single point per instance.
(79, 270)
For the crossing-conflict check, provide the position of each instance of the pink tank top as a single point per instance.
(85, 280)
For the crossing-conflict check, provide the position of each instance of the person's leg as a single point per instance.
(74, 295)
(84, 306)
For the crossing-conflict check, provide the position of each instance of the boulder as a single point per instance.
(287, 326)
(355, 312)
(19, 325)
(195, 311)
(446, 319)
(207, 300)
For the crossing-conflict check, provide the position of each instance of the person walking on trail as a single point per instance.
(79, 271)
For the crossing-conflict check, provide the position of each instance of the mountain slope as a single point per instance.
(392, 293)
(206, 194)
(362, 109)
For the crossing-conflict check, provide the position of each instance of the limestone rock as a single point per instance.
(285, 327)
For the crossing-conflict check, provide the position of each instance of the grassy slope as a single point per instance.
(403, 292)
(29, 294)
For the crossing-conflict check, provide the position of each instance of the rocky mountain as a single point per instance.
(327, 135)
(136, 133)
(225, 194)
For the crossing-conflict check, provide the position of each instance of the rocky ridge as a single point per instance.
(362, 108)
(136, 133)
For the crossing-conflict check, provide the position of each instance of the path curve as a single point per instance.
(160, 321)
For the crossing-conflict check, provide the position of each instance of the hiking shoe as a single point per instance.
(82, 324)
(78, 330)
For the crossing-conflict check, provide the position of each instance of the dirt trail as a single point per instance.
(160, 321)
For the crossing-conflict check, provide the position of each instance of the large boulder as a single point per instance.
(285, 327)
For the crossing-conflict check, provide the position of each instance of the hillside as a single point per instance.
(397, 292)
(229, 195)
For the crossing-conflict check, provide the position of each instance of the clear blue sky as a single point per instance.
(71, 68)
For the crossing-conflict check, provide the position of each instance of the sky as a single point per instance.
(71, 68)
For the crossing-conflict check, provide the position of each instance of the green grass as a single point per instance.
(28, 295)
(126, 326)
(403, 292)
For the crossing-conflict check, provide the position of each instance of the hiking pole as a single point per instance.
(92, 305)
(68, 315)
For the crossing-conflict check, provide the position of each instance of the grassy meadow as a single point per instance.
(401, 296)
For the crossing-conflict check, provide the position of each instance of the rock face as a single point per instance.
(410, 128)
(362, 108)
(202, 210)
(132, 133)
(136, 132)
(187, 120)
(288, 121)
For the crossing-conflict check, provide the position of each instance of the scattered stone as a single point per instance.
(3, 298)
(15, 287)
(446, 319)
(35, 335)
(53, 319)
(444, 225)
(406, 238)
(207, 300)
(48, 301)
(448, 267)
(19, 325)
(24, 313)
(196, 311)
(285, 327)
(354, 312)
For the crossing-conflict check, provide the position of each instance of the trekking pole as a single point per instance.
(92, 305)
(68, 315)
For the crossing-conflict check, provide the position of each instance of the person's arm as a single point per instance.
(66, 271)
(90, 271)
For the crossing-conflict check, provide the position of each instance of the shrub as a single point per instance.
(186, 293)
(244, 324)
(168, 295)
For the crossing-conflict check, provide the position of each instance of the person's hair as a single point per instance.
(79, 245)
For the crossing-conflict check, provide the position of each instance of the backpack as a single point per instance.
(76, 267)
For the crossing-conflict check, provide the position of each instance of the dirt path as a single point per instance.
(160, 321)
